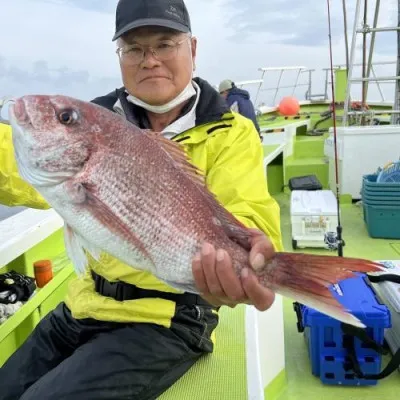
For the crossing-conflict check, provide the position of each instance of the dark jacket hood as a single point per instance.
(239, 92)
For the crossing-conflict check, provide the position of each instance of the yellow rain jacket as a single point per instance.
(229, 151)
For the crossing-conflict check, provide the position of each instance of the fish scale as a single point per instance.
(135, 195)
(165, 247)
(164, 240)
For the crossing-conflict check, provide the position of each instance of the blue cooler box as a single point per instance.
(326, 340)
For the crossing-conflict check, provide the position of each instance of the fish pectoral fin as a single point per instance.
(76, 245)
(109, 219)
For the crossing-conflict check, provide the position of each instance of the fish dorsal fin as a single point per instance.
(176, 151)
(233, 228)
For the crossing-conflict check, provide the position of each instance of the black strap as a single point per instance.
(297, 310)
(384, 278)
(351, 332)
(124, 291)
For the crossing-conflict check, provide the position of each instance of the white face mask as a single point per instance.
(186, 94)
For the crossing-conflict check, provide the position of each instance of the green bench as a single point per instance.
(222, 374)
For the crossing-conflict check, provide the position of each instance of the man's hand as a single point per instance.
(218, 283)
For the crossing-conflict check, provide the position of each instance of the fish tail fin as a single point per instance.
(307, 278)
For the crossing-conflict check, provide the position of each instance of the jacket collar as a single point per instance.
(210, 105)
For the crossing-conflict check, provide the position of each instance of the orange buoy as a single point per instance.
(289, 106)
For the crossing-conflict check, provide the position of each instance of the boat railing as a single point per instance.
(309, 95)
(299, 70)
(281, 70)
(317, 96)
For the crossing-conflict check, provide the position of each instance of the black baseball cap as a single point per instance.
(132, 14)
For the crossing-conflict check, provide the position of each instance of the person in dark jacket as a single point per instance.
(238, 100)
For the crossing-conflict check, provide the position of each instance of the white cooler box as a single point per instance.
(313, 214)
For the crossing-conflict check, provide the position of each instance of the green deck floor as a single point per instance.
(301, 384)
(230, 384)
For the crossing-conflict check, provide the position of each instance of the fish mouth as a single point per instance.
(22, 142)
(19, 112)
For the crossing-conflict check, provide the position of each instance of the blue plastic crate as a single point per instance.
(382, 202)
(383, 221)
(370, 183)
(325, 338)
(393, 200)
(381, 194)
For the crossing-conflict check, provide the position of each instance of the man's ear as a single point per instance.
(194, 51)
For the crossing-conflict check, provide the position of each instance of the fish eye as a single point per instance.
(67, 117)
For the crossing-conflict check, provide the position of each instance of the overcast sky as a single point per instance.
(64, 46)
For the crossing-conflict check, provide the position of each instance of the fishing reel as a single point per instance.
(331, 240)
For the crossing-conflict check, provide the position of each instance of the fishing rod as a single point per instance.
(339, 229)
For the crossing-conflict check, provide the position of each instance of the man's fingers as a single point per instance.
(230, 282)
(261, 251)
(198, 274)
(218, 283)
(208, 262)
(261, 297)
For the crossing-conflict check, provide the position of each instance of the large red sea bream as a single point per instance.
(134, 194)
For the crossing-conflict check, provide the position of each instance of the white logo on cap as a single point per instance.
(173, 11)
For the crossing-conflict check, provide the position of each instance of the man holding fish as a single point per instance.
(167, 217)
(122, 332)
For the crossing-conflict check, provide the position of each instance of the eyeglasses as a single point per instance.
(162, 51)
